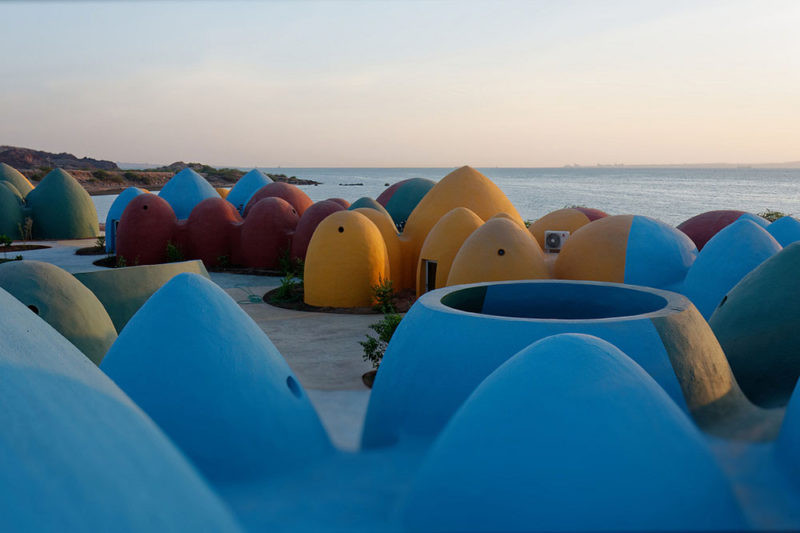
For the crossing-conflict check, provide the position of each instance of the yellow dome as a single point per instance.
(464, 187)
(596, 251)
(388, 230)
(441, 246)
(346, 257)
(498, 251)
(567, 219)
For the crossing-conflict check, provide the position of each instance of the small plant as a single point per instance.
(383, 294)
(174, 254)
(287, 292)
(772, 215)
(26, 230)
(101, 175)
(528, 222)
(100, 242)
(18, 258)
(5, 241)
(288, 265)
(121, 262)
(374, 348)
(223, 261)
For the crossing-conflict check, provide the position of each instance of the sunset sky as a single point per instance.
(403, 83)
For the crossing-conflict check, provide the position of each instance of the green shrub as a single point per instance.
(288, 291)
(289, 266)
(174, 254)
(771, 215)
(375, 347)
(26, 229)
(102, 175)
(100, 242)
(383, 293)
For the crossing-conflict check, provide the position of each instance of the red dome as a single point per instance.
(297, 198)
(209, 227)
(592, 214)
(266, 233)
(341, 201)
(700, 228)
(309, 222)
(146, 226)
(386, 195)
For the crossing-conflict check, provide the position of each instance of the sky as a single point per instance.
(421, 83)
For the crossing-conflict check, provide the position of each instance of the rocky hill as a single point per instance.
(25, 158)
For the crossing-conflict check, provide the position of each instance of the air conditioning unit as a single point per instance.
(554, 240)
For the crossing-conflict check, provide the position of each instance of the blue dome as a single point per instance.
(115, 214)
(185, 190)
(657, 254)
(194, 361)
(570, 434)
(786, 230)
(728, 257)
(78, 455)
(246, 187)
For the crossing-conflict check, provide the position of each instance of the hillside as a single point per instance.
(99, 176)
(26, 158)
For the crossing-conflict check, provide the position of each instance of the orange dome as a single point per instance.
(498, 251)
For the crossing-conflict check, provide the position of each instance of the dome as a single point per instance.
(406, 197)
(700, 228)
(147, 225)
(346, 257)
(725, 259)
(570, 434)
(756, 324)
(441, 246)
(62, 209)
(63, 302)
(115, 214)
(266, 233)
(388, 230)
(786, 230)
(14, 177)
(209, 229)
(185, 190)
(285, 191)
(568, 219)
(367, 202)
(212, 380)
(499, 250)
(464, 187)
(309, 222)
(630, 249)
(245, 188)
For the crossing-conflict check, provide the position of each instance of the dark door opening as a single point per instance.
(430, 275)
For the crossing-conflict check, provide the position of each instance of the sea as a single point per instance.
(671, 195)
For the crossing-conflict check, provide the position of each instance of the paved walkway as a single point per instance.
(321, 348)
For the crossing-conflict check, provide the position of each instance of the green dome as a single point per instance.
(10, 211)
(62, 209)
(13, 176)
(63, 302)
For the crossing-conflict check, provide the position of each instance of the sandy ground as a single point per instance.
(321, 348)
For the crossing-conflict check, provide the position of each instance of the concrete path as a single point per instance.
(321, 348)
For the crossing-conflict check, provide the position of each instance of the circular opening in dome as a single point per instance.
(555, 301)
(294, 387)
(144, 207)
(501, 252)
(34, 308)
(341, 229)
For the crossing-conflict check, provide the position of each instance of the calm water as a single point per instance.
(671, 195)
